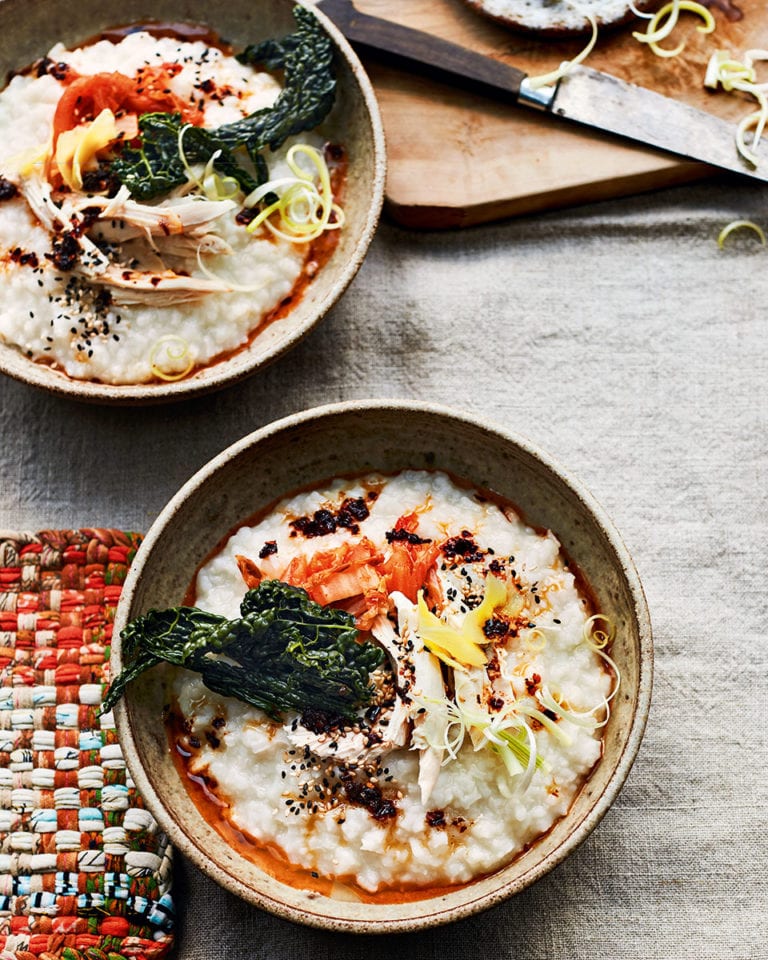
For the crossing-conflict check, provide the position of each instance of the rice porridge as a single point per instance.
(146, 227)
(486, 702)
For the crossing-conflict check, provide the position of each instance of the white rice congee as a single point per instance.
(122, 334)
(456, 804)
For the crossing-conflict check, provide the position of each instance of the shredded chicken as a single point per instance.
(121, 218)
(176, 229)
(160, 288)
(471, 686)
(357, 742)
(421, 677)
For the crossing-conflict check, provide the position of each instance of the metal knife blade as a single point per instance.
(585, 96)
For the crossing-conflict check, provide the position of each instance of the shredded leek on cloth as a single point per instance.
(738, 76)
(729, 228)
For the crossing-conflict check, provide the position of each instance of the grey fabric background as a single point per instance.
(633, 350)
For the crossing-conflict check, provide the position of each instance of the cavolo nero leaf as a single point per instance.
(285, 652)
(306, 56)
(152, 165)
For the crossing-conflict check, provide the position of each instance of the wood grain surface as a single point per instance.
(456, 159)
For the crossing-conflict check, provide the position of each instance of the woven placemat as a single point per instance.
(85, 873)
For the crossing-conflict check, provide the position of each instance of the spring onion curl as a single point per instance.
(305, 203)
(663, 22)
(173, 348)
(732, 75)
(597, 638)
(548, 79)
(740, 225)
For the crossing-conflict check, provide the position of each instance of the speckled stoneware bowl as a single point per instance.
(346, 439)
(29, 28)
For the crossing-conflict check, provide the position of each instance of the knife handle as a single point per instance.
(420, 52)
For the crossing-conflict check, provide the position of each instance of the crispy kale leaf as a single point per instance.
(152, 165)
(309, 89)
(285, 652)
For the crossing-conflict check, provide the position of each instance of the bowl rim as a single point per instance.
(222, 374)
(438, 912)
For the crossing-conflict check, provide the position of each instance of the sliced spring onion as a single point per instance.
(507, 734)
(170, 348)
(216, 187)
(304, 202)
(548, 79)
(453, 726)
(522, 746)
(535, 714)
(740, 225)
(663, 22)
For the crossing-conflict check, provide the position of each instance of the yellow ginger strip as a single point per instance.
(77, 147)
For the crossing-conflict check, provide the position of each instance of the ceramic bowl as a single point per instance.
(29, 28)
(347, 439)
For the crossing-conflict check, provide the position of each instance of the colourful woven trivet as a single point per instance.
(85, 873)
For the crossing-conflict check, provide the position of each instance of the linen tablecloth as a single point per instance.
(621, 339)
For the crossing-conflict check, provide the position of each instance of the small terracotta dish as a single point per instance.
(29, 31)
(348, 439)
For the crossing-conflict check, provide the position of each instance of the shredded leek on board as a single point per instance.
(641, 14)
(733, 75)
(663, 22)
(548, 79)
(740, 225)
(173, 349)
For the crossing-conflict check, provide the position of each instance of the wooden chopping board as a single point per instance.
(456, 159)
